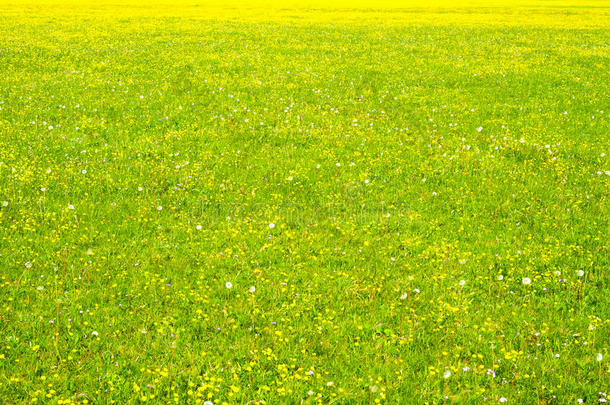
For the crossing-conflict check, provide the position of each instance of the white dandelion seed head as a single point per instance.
(447, 374)
(526, 281)
(229, 284)
(252, 289)
(271, 225)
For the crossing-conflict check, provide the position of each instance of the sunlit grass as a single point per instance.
(265, 202)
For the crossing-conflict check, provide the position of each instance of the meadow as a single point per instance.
(284, 202)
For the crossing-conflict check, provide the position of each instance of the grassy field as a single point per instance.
(264, 202)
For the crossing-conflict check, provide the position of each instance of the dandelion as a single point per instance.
(159, 208)
(94, 333)
(502, 399)
(5, 203)
(447, 374)
(599, 357)
(198, 227)
(526, 281)
(479, 129)
(462, 282)
(271, 225)
(70, 207)
(252, 289)
(229, 285)
(500, 277)
(403, 296)
(581, 273)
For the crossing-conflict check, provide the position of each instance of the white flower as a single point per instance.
(416, 290)
(599, 357)
(479, 129)
(328, 384)
(500, 277)
(84, 171)
(229, 284)
(581, 273)
(208, 403)
(94, 333)
(310, 392)
(403, 296)
(252, 289)
(5, 203)
(198, 227)
(28, 265)
(159, 208)
(526, 280)
(462, 282)
(140, 189)
(40, 288)
(447, 374)
(70, 207)
(502, 399)
(271, 225)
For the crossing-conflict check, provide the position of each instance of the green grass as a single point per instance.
(405, 167)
